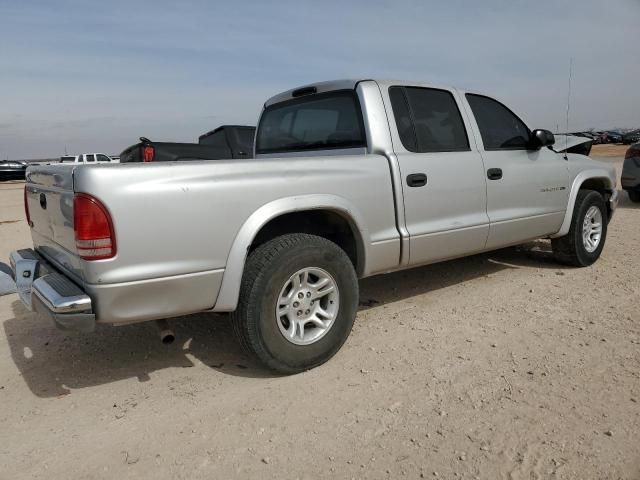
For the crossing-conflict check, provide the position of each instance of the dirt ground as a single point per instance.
(609, 150)
(502, 365)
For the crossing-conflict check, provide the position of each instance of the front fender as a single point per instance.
(601, 174)
(230, 288)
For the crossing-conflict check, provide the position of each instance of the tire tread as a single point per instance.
(244, 318)
(565, 249)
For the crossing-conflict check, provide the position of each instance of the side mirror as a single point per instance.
(541, 138)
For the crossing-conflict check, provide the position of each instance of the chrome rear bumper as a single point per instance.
(49, 293)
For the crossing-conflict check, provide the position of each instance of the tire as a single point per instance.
(634, 196)
(572, 249)
(269, 270)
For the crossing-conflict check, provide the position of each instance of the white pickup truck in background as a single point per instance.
(350, 178)
(88, 158)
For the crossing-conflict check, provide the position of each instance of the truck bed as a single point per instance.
(175, 222)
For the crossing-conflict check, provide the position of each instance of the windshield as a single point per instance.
(318, 122)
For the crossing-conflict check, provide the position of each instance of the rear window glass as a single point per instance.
(67, 159)
(403, 119)
(428, 120)
(319, 122)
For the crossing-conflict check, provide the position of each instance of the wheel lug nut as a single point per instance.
(307, 312)
(299, 312)
(300, 295)
(295, 304)
(308, 294)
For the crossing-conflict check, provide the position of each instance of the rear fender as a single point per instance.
(230, 288)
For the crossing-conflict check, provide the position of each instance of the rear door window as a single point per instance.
(500, 128)
(323, 121)
(404, 123)
(91, 158)
(428, 120)
(104, 159)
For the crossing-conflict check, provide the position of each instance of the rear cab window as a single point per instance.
(324, 121)
(428, 120)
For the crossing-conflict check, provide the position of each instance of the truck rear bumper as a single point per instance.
(43, 289)
(51, 294)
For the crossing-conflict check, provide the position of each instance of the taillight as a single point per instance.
(95, 237)
(26, 207)
(147, 153)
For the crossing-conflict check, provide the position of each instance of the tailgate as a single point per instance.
(49, 196)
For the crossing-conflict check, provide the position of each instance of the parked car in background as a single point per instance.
(631, 172)
(598, 138)
(614, 137)
(355, 178)
(87, 158)
(12, 170)
(227, 141)
(631, 137)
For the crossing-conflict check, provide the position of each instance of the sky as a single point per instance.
(93, 76)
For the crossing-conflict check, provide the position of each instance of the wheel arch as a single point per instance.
(279, 212)
(593, 179)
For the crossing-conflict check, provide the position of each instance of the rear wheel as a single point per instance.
(634, 196)
(298, 301)
(584, 243)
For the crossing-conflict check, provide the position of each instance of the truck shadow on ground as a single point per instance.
(53, 362)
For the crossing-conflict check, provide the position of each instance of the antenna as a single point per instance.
(568, 108)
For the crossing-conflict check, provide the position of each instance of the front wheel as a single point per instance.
(584, 243)
(298, 301)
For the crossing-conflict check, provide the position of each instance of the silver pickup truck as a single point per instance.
(350, 178)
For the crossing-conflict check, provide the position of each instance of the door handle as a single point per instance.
(417, 180)
(494, 173)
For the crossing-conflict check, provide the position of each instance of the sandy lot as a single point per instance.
(503, 365)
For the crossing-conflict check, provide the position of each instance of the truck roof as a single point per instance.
(318, 87)
(348, 84)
